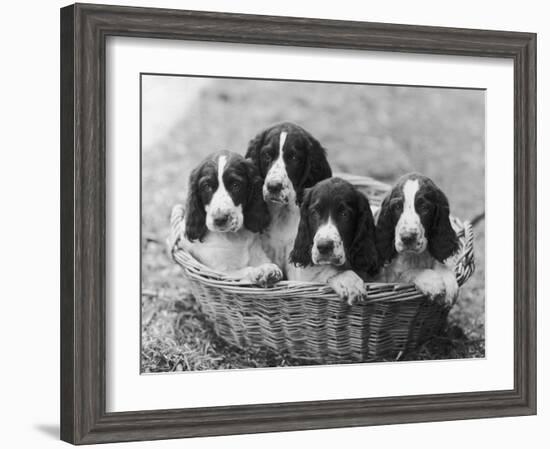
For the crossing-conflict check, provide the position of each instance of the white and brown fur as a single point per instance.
(225, 213)
(335, 243)
(415, 238)
(289, 160)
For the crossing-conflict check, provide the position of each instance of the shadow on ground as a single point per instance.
(50, 430)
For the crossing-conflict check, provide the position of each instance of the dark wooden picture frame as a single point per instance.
(84, 29)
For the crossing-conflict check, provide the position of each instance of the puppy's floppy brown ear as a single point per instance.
(195, 215)
(442, 239)
(385, 230)
(256, 214)
(301, 253)
(254, 147)
(363, 254)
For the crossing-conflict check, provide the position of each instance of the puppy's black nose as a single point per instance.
(221, 220)
(274, 186)
(409, 237)
(325, 246)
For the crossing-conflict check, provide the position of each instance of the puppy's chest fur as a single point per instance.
(278, 238)
(407, 261)
(316, 273)
(225, 251)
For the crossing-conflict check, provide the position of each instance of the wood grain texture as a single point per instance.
(67, 224)
(84, 29)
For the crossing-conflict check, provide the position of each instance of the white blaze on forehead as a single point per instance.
(220, 196)
(279, 164)
(282, 139)
(278, 173)
(410, 220)
(221, 202)
(221, 166)
(409, 192)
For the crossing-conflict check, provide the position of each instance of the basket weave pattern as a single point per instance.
(308, 320)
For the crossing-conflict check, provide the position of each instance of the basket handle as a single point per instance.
(465, 265)
(177, 227)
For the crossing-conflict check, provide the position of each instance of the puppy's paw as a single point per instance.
(431, 284)
(349, 287)
(266, 275)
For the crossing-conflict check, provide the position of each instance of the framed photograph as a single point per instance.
(274, 223)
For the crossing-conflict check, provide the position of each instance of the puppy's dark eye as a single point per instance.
(235, 186)
(266, 157)
(422, 205)
(207, 187)
(292, 157)
(396, 204)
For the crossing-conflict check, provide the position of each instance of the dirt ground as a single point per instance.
(379, 131)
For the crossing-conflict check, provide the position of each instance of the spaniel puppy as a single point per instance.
(415, 237)
(289, 160)
(225, 213)
(336, 239)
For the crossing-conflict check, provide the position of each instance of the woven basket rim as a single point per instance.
(193, 266)
(398, 291)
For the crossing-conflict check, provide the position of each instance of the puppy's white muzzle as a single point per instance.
(224, 221)
(328, 247)
(410, 242)
(277, 186)
(222, 215)
(410, 235)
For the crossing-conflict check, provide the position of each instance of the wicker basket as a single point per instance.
(308, 321)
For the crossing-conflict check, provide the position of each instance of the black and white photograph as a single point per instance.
(279, 224)
(292, 223)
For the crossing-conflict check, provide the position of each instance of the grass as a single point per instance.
(380, 131)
